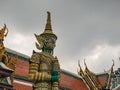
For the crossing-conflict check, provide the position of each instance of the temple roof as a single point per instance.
(102, 78)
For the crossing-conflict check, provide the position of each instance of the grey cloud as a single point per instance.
(80, 24)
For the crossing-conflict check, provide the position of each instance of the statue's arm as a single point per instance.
(56, 71)
(34, 74)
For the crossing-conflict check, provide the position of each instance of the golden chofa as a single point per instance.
(3, 33)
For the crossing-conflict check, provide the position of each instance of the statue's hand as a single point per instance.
(55, 73)
(55, 77)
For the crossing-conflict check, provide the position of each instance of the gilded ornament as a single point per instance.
(5, 60)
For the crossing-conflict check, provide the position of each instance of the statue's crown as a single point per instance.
(48, 27)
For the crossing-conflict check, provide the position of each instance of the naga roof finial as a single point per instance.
(80, 72)
(3, 32)
(85, 63)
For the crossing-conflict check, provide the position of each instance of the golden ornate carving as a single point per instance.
(5, 60)
(12, 62)
(39, 39)
(97, 84)
(85, 78)
(88, 78)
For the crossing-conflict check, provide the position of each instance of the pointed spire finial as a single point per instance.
(48, 24)
(48, 17)
(48, 27)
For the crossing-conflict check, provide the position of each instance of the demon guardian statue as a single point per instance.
(44, 68)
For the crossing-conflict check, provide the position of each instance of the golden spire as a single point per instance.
(48, 27)
(48, 24)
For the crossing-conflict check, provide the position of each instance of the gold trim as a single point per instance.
(43, 76)
(39, 76)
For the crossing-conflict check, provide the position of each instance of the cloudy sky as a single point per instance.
(87, 29)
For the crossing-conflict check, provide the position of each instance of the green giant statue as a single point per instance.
(44, 68)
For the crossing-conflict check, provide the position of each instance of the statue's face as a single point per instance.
(50, 42)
